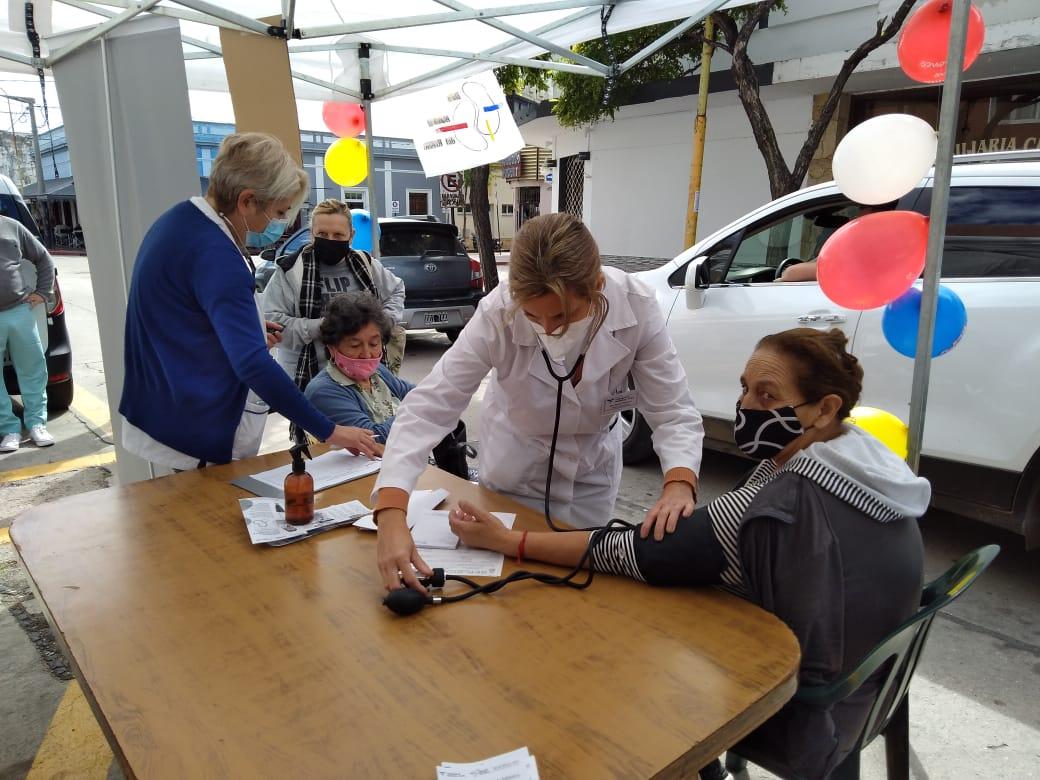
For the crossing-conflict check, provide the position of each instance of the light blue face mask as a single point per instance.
(275, 229)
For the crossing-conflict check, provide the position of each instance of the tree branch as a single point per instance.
(749, 90)
(882, 36)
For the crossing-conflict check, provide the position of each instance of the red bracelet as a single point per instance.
(520, 549)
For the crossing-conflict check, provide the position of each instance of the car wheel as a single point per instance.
(59, 396)
(636, 438)
(451, 333)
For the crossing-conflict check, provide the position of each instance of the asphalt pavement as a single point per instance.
(975, 700)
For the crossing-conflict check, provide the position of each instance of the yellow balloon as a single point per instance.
(346, 162)
(885, 426)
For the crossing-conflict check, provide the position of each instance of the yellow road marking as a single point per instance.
(89, 406)
(74, 745)
(61, 467)
(5, 536)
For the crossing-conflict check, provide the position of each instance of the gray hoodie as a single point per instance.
(831, 546)
(18, 245)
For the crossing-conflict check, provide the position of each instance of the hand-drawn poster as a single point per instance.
(463, 124)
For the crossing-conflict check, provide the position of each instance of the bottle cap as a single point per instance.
(298, 453)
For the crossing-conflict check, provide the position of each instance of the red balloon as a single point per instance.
(344, 119)
(874, 259)
(926, 35)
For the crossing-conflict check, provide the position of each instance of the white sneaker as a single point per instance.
(40, 436)
(10, 443)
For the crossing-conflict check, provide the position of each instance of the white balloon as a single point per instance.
(882, 159)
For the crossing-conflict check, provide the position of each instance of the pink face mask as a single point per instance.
(358, 369)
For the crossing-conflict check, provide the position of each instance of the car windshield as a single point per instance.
(415, 241)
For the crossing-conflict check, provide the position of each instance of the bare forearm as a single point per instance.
(562, 549)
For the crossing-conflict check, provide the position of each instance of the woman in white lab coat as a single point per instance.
(561, 301)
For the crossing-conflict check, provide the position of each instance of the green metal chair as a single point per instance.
(889, 716)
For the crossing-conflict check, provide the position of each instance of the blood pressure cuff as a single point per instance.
(690, 556)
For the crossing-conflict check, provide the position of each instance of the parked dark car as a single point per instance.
(57, 348)
(443, 284)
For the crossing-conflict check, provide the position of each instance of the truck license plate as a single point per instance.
(438, 318)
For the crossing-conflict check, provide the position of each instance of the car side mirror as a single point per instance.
(697, 282)
(269, 254)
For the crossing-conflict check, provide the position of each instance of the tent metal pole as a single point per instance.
(499, 58)
(423, 20)
(668, 37)
(948, 111)
(327, 84)
(222, 13)
(15, 57)
(532, 38)
(365, 71)
(97, 32)
(161, 10)
(290, 19)
(492, 50)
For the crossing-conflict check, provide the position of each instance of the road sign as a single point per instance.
(395, 205)
(451, 200)
(451, 182)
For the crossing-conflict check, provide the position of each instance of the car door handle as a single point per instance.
(808, 319)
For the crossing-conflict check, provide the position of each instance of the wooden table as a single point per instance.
(204, 656)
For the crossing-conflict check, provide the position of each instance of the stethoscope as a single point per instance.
(407, 601)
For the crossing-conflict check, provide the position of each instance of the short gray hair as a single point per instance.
(256, 161)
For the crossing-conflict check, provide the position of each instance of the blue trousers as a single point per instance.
(19, 337)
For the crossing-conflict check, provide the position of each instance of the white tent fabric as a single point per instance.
(508, 30)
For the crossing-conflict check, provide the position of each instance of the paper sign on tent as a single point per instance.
(463, 124)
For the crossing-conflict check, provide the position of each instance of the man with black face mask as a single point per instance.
(304, 282)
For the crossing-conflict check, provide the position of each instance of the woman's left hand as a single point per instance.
(477, 528)
(677, 500)
(274, 334)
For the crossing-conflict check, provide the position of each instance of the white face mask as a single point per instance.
(564, 348)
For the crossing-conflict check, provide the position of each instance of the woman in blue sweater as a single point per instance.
(198, 376)
(356, 388)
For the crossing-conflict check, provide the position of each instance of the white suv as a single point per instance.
(982, 431)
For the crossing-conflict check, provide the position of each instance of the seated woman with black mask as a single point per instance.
(822, 533)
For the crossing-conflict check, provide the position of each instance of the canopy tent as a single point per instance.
(338, 49)
(325, 36)
(349, 50)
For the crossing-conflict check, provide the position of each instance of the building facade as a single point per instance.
(401, 186)
(628, 179)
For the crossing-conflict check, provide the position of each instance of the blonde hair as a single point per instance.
(255, 161)
(331, 206)
(556, 253)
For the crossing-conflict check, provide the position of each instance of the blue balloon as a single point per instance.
(903, 316)
(362, 222)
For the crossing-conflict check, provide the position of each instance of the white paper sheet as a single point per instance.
(419, 501)
(430, 530)
(265, 519)
(466, 561)
(328, 470)
(516, 765)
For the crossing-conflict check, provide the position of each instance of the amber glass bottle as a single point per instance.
(299, 490)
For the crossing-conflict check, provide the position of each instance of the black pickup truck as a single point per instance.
(443, 284)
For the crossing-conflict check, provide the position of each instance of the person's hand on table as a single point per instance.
(477, 528)
(357, 441)
(274, 333)
(396, 552)
(677, 500)
(34, 299)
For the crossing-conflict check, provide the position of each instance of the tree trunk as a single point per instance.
(784, 179)
(481, 206)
